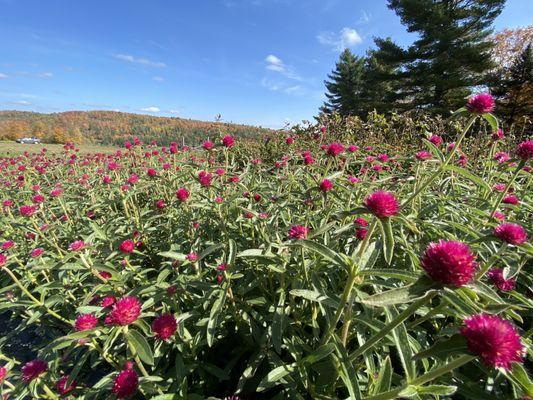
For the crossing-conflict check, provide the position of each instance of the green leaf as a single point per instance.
(173, 255)
(405, 294)
(313, 295)
(232, 250)
(167, 397)
(322, 250)
(319, 354)
(492, 120)
(401, 339)
(138, 342)
(277, 322)
(469, 175)
(520, 376)
(444, 348)
(213, 316)
(437, 390)
(383, 382)
(347, 370)
(388, 239)
(409, 391)
(274, 376)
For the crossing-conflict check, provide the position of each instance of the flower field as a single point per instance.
(335, 271)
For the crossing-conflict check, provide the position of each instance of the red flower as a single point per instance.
(108, 301)
(160, 204)
(511, 233)
(326, 186)
(205, 178)
(228, 141)
(3, 259)
(449, 262)
(360, 233)
(498, 135)
(436, 140)
(496, 277)
(124, 312)
(511, 199)
(361, 221)
(192, 256)
(493, 339)
(33, 369)
(36, 252)
(126, 382)
(3, 373)
(208, 145)
(382, 204)
(151, 172)
(164, 326)
(423, 155)
(182, 194)
(61, 386)
(27, 211)
(289, 140)
(334, 149)
(127, 246)
(525, 150)
(298, 232)
(481, 103)
(85, 322)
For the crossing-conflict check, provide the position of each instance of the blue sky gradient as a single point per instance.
(260, 62)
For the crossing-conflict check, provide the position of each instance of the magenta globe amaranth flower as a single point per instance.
(124, 312)
(495, 275)
(85, 322)
(164, 326)
(126, 382)
(298, 232)
(31, 370)
(481, 103)
(334, 149)
(326, 186)
(525, 150)
(511, 233)
(493, 339)
(449, 262)
(382, 204)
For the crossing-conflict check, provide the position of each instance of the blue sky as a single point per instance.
(260, 62)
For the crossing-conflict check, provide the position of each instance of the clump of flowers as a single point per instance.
(449, 262)
(493, 339)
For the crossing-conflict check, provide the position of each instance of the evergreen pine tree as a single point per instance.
(344, 85)
(450, 55)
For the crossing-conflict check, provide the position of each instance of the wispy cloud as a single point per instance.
(143, 61)
(22, 103)
(158, 78)
(364, 18)
(276, 64)
(283, 87)
(3, 76)
(45, 75)
(347, 37)
(19, 95)
(174, 111)
(151, 109)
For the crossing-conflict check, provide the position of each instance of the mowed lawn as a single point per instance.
(12, 148)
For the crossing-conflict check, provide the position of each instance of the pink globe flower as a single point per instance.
(208, 145)
(382, 204)
(3, 373)
(298, 232)
(62, 388)
(496, 277)
(511, 199)
(85, 322)
(326, 186)
(126, 382)
(205, 178)
(436, 140)
(423, 155)
(525, 150)
(493, 339)
(31, 370)
(127, 246)
(449, 262)
(182, 194)
(3, 259)
(481, 103)
(124, 312)
(37, 252)
(164, 326)
(511, 233)
(360, 233)
(27, 211)
(498, 135)
(334, 149)
(151, 172)
(77, 245)
(228, 141)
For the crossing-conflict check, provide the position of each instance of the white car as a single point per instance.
(29, 140)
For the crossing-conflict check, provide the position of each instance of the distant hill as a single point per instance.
(110, 127)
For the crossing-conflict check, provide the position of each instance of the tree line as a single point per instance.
(454, 54)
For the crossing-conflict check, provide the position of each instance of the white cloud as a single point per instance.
(276, 64)
(22, 103)
(295, 90)
(21, 95)
(174, 111)
(158, 78)
(151, 109)
(46, 75)
(276, 86)
(365, 17)
(347, 37)
(142, 61)
(3, 76)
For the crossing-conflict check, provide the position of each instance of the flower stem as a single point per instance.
(507, 187)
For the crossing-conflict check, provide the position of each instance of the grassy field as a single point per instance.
(12, 148)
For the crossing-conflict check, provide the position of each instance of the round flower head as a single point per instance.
(498, 135)
(481, 103)
(127, 246)
(326, 185)
(334, 149)
(228, 141)
(496, 277)
(85, 322)
(3, 259)
(511, 233)
(493, 339)
(511, 199)
(182, 194)
(382, 204)
(298, 232)
(62, 388)
(31, 370)
(436, 140)
(126, 382)
(124, 312)
(525, 150)
(77, 245)
(3, 373)
(449, 262)
(208, 145)
(164, 326)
